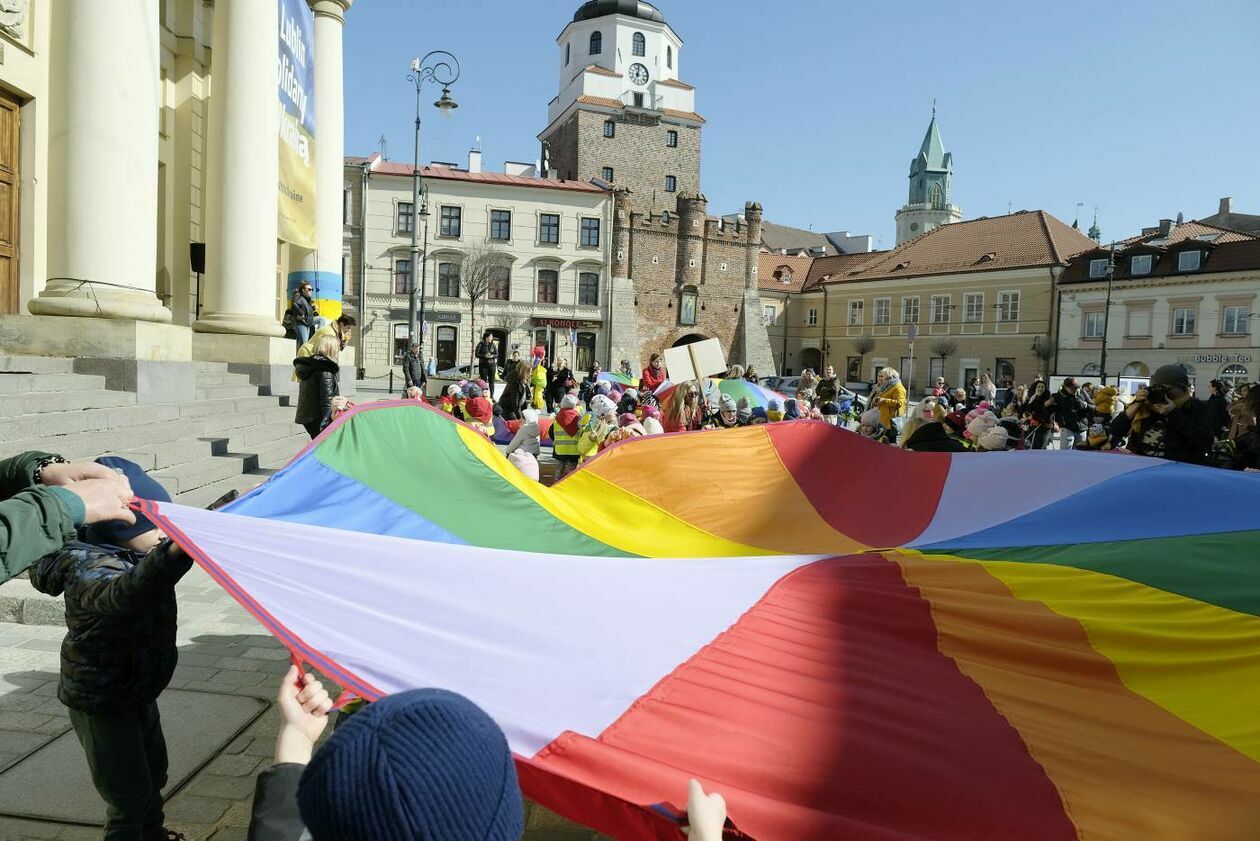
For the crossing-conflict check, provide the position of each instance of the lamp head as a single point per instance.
(415, 65)
(446, 104)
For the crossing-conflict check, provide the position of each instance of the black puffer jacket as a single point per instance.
(304, 311)
(932, 437)
(119, 652)
(413, 371)
(515, 398)
(317, 376)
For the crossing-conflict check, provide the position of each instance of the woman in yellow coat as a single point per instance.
(890, 396)
(538, 379)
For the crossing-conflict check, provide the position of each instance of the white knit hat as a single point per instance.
(601, 406)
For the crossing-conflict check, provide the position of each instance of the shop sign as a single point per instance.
(1216, 358)
(567, 323)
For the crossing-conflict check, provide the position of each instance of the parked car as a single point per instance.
(788, 386)
(467, 372)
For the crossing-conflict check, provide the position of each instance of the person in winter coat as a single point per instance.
(118, 655)
(44, 499)
(1218, 408)
(826, 390)
(318, 385)
(1165, 421)
(890, 397)
(653, 375)
(601, 425)
(683, 414)
(478, 410)
(487, 353)
(302, 313)
(1070, 414)
(559, 384)
(450, 771)
(1039, 412)
(986, 390)
(414, 375)
(527, 436)
(538, 379)
(629, 402)
(515, 397)
(727, 415)
(564, 434)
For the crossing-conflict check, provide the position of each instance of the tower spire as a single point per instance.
(1094, 232)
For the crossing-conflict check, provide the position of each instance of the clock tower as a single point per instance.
(623, 115)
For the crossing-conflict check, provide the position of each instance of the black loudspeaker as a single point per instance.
(197, 256)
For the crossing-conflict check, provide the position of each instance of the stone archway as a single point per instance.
(689, 339)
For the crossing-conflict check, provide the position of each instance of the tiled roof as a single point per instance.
(769, 264)
(1224, 255)
(684, 115)
(838, 266)
(601, 71)
(601, 100)
(1185, 231)
(783, 238)
(1245, 222)
(444, 174)
(674, 83)
(1020, 240)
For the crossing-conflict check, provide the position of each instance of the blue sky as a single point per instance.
(816, 107)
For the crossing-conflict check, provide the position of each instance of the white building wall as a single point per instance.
(385, 245)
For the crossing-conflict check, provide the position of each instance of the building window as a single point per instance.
(639, 45)
(549, 228)
(811, 317)
(501, 225)
(448, 280)
(910, 310)
(855, 313)
(937, 197)
(1140, 264)
(568, 53)
(784, 274)
(1183, 321)
(940, 309)
(687, 307)
(1008, 306)
(973, 306)
(402, 340)
(584, 356)
(452, 222)
(671, 183)
(610, 128)
(671, 139)
(404, 218)
(402, 277)
(447, 343)
(669, 56)
(1235, 318)
(597, 43)
(607, 174)
(590, 233)
(345, 206)
(768, 315)
(548, 286)
(638, 100)
(500, 288)
(1188, 261)
(1234, 375)
(883, 311)
(1093, 325)
(588, 289)
(1098, 268)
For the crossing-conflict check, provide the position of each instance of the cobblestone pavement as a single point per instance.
(222, 649)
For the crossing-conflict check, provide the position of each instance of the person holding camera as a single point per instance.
(1165, 421)
(1070, 414)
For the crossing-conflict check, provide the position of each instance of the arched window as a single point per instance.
(597, 43)
(568, 53)
(669, 56)
(1136, 369)
(937, 197)
(1234, 375)
(640, 44)
(1093, 369)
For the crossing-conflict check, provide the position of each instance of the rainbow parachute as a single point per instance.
(847, 640)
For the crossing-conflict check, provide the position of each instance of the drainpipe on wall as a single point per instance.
(610, 242)
(825, 345)
(363, 203)
(787, 306)
(1056, 315)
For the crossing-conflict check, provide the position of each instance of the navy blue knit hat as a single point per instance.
(425, 764)
(116, 532)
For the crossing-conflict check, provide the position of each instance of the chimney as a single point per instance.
(474, 160)
(1226, 205)
(1166, 226)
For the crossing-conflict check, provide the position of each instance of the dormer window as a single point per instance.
(1140, 265)
(597, 43)
(785, 274)
(1189, 261)
(639, 46)
(1098, 268)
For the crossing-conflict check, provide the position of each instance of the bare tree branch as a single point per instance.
(944, 348)
(863, 345)
(480, 269)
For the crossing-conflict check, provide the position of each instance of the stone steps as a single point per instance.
(11, 383)
(36, 364)
(224, 392)
(66, 401)
(191, 475)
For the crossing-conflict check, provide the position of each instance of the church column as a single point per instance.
(242, 171)
(322, 268)
(104, 96)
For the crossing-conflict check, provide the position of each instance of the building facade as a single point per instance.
(961, 300)
(111, 182)
(1183, 294)
(622, 113)
(930, 202)
(552, 239)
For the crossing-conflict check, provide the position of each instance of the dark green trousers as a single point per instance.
(126, 753)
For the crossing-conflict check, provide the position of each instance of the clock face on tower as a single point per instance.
(638, 74)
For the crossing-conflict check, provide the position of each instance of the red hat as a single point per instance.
(540, 351)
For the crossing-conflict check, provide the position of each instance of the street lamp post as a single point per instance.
(441, 67)
(1111, 275)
